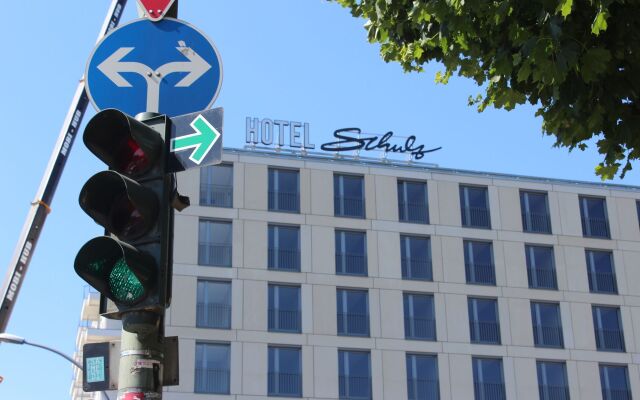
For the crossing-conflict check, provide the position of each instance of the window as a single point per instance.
(415, 253)
(593, 211)
(216, 185)
(535, 212)
(353, 312)
(284, 247)
(541, 269)
(552, 380)
(354, 375)
(412, 202)
(478, 262)
(284, 190)
(351, 253)
(474, 205)
(214, 243)
(422, 377)
(284, 308)
(348, 196)
(484, 322)
(608, 328)
(547, 325)
(419, 316)
(285, 372)
(212, 368)
(488, 379)
(614, 380)
(602, 277)
(213, 309)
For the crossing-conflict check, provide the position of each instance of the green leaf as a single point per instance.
(565, 7)
(594, 63)
(600, 22)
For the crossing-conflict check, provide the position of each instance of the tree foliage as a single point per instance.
(577, 62)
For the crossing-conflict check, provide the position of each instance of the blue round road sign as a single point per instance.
(167, 67)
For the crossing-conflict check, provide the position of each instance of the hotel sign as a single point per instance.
(295, 135)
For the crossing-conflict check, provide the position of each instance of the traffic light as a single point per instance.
(131, 264)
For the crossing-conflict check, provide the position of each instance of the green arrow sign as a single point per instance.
(202, 141)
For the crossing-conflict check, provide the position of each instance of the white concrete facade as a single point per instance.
(319, 342)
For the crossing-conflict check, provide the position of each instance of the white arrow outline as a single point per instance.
(112, 67)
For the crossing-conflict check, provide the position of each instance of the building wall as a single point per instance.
(249, 337)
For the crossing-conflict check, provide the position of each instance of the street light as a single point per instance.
(9, 338)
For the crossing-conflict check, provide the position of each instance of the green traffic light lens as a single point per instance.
(124, 285)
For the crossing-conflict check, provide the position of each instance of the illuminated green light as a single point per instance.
(124, 284)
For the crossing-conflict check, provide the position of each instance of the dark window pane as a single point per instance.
(348, 194)
(212, 368)
(593, 212)
(216, 185)
(354, 371)
(474, 206)
(284, 248)
(547, 325)
(535, 212)
(484, 323)
(541, 270)
(351, 253)
(353, 312)
(600, 271)
(614, 380)
(608, 328)
(488, 379)
(284, 308)
(422, 377)
(552, 381)
(284, 190)
(412, 202)
(213, 308)
(285, 372)
(478, 257)
(214, 246)
(419, 317)
(415, 252)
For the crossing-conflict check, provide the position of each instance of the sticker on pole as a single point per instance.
(156, 9)
(168, 67)
(196, 140)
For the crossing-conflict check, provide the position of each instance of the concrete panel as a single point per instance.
(520, 322)
(386, 198)
(305, 248)
(254, 368)
(391, 308)
(237, 249)
(237, 352)
(255, 186)
(238, 185)
(305, 191)
(462, 372)
(457, 317)
(377, 379)
(504, 319)
(370, 211)
(395, 375)
(325, 372)
(494, 208)
(510, 214)
(189, 183)
(255, 305)
(388, 252)
(237, 301)
(453, 260)
(515, 264)
(187, 360)
(255, 244)
(324, 310)
(570, 223)
(308, 383)
(449, 197)
(625, 211)
(568, 334)
(441, 320)
(183, 305)
(306, 299)
(374, 247)
(526, 379)
(437, 261)
(499, 264)
(185, 244)
(582, 322)
(375, 318)
(434, 203)
(321, 192)
(576, 269)
(323, 250)
(588, 380)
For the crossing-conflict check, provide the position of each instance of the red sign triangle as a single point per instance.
(155, 9)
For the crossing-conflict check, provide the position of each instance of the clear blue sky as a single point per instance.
(289, 59)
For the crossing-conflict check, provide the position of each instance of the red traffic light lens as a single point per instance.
(132, 160)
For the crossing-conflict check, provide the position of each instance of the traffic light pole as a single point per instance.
(40, 208)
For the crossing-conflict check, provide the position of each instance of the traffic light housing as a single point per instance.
(131, 265)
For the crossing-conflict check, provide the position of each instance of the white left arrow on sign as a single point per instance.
(113, 66)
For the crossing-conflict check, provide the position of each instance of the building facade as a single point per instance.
(342, 278)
